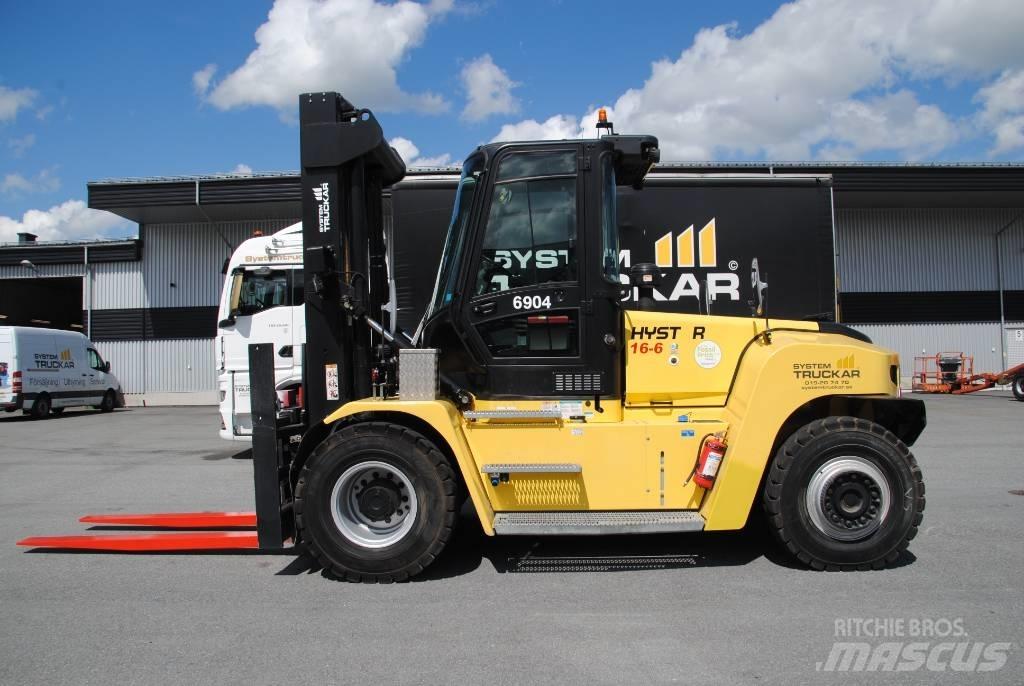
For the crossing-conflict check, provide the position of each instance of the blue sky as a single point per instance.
(125, 89)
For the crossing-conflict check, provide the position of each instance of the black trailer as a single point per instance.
(701, 230)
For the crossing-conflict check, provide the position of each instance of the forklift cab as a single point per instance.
(526, 299)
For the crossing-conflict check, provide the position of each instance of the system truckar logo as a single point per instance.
(691, 249)
(322, 195)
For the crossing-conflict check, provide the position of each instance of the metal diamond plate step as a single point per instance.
(548, 468)
(512, 414)
(596, 523)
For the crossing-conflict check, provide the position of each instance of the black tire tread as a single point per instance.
(783, 461)
(437, 460)
(1017, 385)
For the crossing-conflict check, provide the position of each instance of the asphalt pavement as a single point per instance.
(694, 608)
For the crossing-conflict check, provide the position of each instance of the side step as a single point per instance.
(473, 415)
(522, 468)
(596, 523)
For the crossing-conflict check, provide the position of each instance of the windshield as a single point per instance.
(263, 289)
(447, 274)
(609, 222)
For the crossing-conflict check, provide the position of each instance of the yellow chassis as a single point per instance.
(708, 375)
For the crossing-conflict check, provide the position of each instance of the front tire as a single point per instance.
(375, 502)
(844, 493)
(108, 402)
(1018, 388)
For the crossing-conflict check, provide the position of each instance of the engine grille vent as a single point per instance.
(579, 383)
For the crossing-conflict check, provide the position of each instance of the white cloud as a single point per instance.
(12, 100)
(71, 220)
(242, 169)
(817, 77)
(18, 146)
(201, 79)
(43, 182)
(411, 154)
(352, 46)
(1002, 113)
(488, 90)
(43, 112)
(553, 128)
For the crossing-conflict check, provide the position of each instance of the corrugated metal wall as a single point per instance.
(115, 284)
(191, 257)
(912, 340)
(178, 366)
(887, 250)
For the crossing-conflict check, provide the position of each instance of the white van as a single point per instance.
(43, 371)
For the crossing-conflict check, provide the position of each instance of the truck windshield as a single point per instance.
(454, 243)
(263, 289)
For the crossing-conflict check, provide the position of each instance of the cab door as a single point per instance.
(530, 316)
(97, 384)
(523, 299)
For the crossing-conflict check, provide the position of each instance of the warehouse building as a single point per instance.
(929, 258)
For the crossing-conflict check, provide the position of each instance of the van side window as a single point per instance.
(95, 361)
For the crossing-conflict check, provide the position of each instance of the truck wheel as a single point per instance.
(41, 407)
(844, 493)
(375, 502)
(107, 404)
(1018, 388)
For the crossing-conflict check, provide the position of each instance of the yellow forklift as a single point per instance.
(529, 390)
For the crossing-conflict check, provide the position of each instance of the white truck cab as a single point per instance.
(261, 302)
(44, 371)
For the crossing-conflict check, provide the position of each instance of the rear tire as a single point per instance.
(844, 493)
(41, 407)
(375, 502)
(1018, 388)
(107, 404)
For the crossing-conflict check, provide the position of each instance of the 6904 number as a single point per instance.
(531, 302)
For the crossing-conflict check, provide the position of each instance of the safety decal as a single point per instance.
(707, 354)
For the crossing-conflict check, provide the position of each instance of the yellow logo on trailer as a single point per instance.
(686, 248)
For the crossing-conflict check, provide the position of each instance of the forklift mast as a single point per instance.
(346, 162)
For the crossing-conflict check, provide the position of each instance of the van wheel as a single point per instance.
(375, 502)
(107, 404)
(56, 411)
(844, 493)
(41, 407)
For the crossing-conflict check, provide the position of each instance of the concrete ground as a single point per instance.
(724, 608)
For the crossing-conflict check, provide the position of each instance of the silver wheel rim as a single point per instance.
(349, 504)
(848, 498)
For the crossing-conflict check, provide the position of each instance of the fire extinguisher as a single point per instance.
(711, 453)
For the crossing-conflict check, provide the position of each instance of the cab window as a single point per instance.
(95, 361)
(263, 289)
(530, 236)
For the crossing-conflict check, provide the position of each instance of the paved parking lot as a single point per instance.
(682, 608)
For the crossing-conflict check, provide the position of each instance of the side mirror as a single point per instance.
(759, 287)
(224, 323)
(106, 367)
